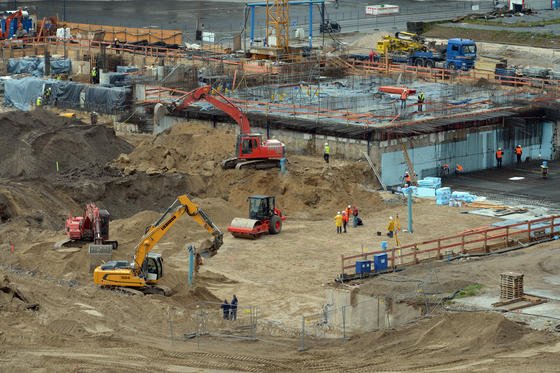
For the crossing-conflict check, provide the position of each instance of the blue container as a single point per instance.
(380, 262)
(363, 266)
(384, 245)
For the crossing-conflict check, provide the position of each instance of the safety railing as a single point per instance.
(479, 241)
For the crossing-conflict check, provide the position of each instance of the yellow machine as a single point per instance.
(401, 42)
(147, 268)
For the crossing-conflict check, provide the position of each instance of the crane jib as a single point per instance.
(163, 227)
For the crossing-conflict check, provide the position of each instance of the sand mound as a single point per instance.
(12, 299)
(33, 142)
(187, 148)
(36, 203)
(309, 188)
(490, 330)
(450, 333)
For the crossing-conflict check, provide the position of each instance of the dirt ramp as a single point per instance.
(33, 142)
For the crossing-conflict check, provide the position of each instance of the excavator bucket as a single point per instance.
(245, 228)
(208, 248)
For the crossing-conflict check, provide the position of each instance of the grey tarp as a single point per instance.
(36, 66)
(127, 69)
(107, 100)
(119, 79)
(61, 66)
(23, 93)
(66, 94)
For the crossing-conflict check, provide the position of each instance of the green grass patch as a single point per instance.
(521, 23)
(470, 291)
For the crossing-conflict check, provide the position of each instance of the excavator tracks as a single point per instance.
(257, 164)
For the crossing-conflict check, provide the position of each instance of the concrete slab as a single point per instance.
(496, 184)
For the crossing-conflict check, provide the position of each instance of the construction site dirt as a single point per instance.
(295, 314)
(55, 318)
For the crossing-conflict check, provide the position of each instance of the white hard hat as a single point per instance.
(519, 145)
(326, 143)
(338, 213)
(390, 218)
(349, 206)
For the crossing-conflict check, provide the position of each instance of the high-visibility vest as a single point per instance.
(94, 72)
(327, 149)
(518, 150)
(421, 97)
(499, 154)
(39, 101)
(407, 178)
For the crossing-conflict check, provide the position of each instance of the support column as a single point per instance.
(252, 25)
(310, 25)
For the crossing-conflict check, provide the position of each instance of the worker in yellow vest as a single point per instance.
(327, 152)
(94, 75)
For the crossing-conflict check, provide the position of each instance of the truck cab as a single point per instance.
(460, 54)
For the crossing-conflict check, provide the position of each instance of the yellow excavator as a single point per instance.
(146, 270)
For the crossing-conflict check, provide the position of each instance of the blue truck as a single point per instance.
(456, 54)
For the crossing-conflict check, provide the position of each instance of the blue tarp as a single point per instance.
(106, 100)
(23, 93)
(66, 94)
(36, 66)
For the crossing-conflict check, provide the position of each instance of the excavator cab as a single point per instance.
(261, 207)
(249, 144)
(153, 267)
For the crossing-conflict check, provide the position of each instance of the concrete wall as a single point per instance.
(359, 313)
(296, 142)
(473, 149)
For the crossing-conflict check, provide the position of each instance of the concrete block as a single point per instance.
(425, 192)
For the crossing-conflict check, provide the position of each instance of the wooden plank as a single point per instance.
(128, 34)
(411, 172)
(366, 155)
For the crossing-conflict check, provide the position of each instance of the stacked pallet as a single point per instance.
(511, 285)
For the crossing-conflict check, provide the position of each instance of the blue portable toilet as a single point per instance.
(380, 262)
(363, 266)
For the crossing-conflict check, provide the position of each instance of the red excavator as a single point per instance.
(18, 15)
(251, 150)
(93, 226)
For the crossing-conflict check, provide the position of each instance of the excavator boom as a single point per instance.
(147, 267)
(251, 150)
(223, 103)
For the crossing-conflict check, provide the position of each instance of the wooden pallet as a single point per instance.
(511, 285)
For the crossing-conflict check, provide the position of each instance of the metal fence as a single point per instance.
(208, 319)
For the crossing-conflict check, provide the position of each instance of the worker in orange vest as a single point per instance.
(407, 179)
(345, 219)
(499, 156)
(458, 170)
(518, 153)
(404, 97)
(348, 211)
